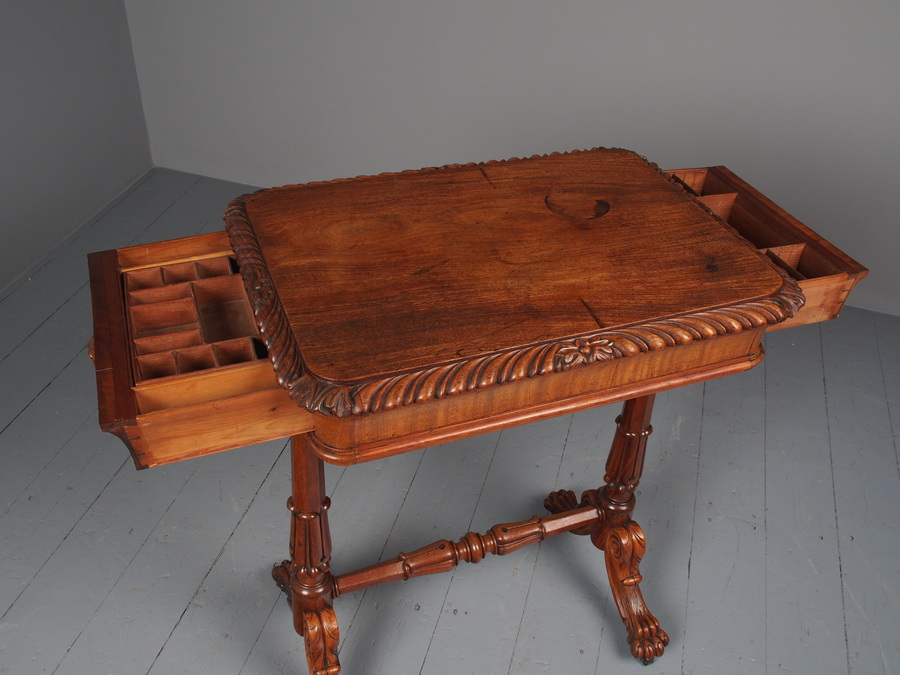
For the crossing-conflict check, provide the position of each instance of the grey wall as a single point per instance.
(73, 131)
(800, 98)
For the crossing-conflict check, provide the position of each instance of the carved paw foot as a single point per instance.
(624, 549)
(563, 500)
(646, 638)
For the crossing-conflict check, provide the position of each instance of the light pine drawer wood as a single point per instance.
(181, 371)
(825, 273)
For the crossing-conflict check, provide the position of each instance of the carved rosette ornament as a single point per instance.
(582, 351)
(406, 388)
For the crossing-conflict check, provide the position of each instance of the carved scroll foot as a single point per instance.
(319, 627)
(624, 547)
(321, 636)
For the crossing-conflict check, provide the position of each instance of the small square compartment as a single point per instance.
(788, 255)
(160, 364)
(720, 204)
(173, 274)
(736, 206)
(191, 359)
(234, 351)
(215, 267)
(189, 316)
(150, 277)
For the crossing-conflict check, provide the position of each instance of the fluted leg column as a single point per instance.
(306, 577)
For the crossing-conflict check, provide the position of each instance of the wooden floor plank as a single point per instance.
(353, 517)
(568, 602)
(198, 210)
(86, 565)
(887, 330)
(394, 625)
(51, 505)
(867, 492)
(37, 434)
(46, 354)
(524, 464)
(804, 607)
(725, 617)
(233, 603)
(172, 563)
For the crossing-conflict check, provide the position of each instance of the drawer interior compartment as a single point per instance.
(181, 370)
(189, 316)
(825, 273)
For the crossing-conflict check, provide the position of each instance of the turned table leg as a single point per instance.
(306, 578)
(620, 538)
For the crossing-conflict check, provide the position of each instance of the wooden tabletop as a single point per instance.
(363, 280)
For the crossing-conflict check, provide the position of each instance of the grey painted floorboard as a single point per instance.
(770, 500)
(866, 486)
(804, 608)
(727, 566)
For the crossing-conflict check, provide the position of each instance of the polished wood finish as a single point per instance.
(417, 286)
(604, 513)
(616, 533)
(165, 419)
(404, 310)
(306, 577)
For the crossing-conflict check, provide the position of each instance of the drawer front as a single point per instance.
(181, 371)
(825, 274)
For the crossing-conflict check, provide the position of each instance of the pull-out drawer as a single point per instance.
(825, 273)
(181, 371)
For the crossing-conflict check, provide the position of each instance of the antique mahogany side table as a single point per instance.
(404, 310)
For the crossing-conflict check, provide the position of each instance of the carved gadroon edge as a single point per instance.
(400, 389)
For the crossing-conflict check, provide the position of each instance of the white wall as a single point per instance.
(73, 131)
(800, 98)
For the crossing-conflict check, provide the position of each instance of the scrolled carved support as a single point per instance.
(624, 548)
(620, 538)
(321, 637)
